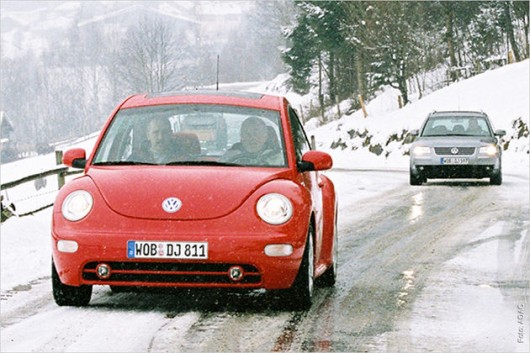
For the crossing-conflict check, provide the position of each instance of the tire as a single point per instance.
(69, 295)
(300, 295)
(496, 179)
(329, 277)
(416, 180)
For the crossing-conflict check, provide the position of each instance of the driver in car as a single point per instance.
(257, 146)
(159, 146)
(474, 128)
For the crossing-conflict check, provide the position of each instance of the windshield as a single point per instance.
(456, 126)
(192, 135)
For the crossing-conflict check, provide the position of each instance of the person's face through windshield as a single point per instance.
(253, 135)
(159, 134)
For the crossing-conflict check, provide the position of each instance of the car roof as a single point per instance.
(457, 113)
(239, 98)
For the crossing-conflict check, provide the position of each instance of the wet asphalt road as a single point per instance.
(391, 246)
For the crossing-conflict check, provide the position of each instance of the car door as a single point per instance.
(309, 179)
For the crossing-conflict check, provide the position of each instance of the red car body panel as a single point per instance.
(124, 190)
(218, 207)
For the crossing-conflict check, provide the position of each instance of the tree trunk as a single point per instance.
(420, 87)
(320, 94)
(359, 70)
(449, 36)
(331, 76)
(509, 31)
(402, 87)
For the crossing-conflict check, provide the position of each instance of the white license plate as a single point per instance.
(455, 161)
(167, 250)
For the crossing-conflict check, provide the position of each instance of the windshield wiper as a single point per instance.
(123, 163)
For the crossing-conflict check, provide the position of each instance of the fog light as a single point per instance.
(103, 271)
(235, 273)
(279, 250)
(69, 246)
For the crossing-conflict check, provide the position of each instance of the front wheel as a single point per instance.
(416, 179)
(496, 179)
(300, 295)
(69, 295)
(329, 277)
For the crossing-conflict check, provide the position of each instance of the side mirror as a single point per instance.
(500, 133)
(414, 132)
(315, 160)
(75, 158)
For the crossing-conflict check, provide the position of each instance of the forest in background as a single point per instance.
(342, 49)
(349, 49)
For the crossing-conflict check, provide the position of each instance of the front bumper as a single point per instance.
(448, 172)
(439, 166)
(241, 250)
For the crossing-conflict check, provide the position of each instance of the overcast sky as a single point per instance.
(26, 5)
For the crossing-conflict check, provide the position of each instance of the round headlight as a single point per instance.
(77, 205)
(274, 208)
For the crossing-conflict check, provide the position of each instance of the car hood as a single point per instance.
(204, 193)
(455, 141)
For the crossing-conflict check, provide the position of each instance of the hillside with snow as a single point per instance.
(503, 94)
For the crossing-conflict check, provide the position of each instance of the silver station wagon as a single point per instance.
(456, 144)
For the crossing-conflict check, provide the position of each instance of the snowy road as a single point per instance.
(438, 267)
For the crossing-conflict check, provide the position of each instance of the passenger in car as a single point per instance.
(474, 128)
(258, 145)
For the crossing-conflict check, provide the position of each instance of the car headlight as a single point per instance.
(77, 205)
(274, 208)
(421, 151)
(489, 150)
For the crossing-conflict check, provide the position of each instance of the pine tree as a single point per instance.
(299, 57)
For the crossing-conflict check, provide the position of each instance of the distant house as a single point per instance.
(8, 149)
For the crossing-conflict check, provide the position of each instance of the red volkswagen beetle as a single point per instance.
(197, 189)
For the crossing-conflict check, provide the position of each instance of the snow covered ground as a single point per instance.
(503, 94)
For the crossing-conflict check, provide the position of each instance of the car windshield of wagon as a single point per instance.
(193, 134)
(456, 126)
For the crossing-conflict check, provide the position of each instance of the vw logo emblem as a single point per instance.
(171, 204)
(454, 150)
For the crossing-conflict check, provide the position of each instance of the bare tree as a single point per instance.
(149, 57)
